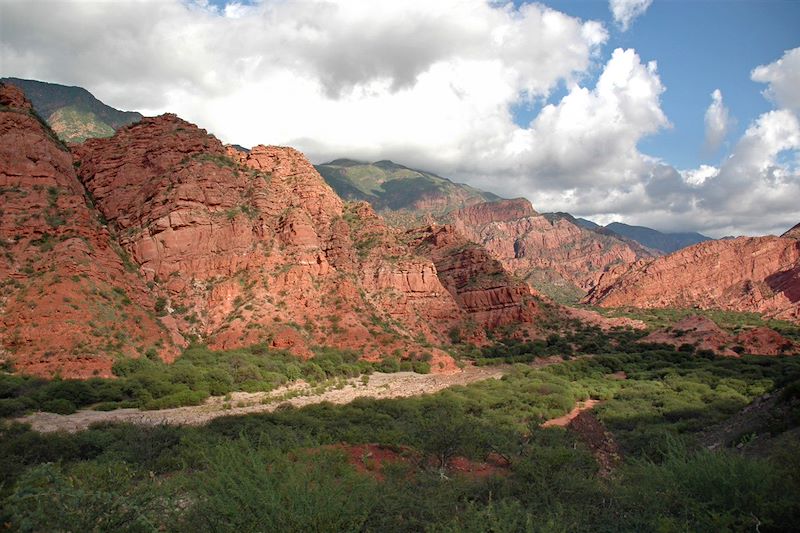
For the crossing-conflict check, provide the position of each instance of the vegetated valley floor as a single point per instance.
(297, 394)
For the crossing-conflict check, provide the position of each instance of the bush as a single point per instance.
(246, 488)
(99, 498)
(61, 406)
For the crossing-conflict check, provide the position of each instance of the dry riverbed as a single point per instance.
(297, 394)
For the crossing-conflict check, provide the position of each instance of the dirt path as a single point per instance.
(395, 385)
(593, 433)
(563, 421)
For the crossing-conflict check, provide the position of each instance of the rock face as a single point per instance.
(757, 274)
(700, 332)
(241, 246)
(68, 304)
(554, 255)
(489, 295)
(793, 233)
(703, 334)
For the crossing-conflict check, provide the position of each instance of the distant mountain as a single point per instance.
(665, 242)
(401, 194)
(73, 112)
(550, 251)
(588, 224)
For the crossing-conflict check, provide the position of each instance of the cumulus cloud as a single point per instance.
(753, 191)
(428, 84)
(783, 79)
(718, 122)
(625, 11)
(590, 136)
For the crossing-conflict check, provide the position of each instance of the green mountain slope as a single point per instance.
(403, 195)
(73, 112)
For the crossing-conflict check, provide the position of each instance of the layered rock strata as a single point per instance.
(755, 274)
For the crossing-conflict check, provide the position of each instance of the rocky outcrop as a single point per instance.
(765, 341)
(69, 301)
(489, 295)
(483, 214)
(756, 274)
(241, 246)
(702, 333)
(793, 233)
(554, 255)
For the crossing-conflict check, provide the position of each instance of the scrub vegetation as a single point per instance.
(290, 470)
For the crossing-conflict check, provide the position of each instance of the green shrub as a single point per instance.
(245, 488)
(59, 405)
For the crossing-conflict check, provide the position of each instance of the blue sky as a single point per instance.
(700, 46)
(556, 102)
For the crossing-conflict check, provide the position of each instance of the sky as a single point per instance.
(674, 114)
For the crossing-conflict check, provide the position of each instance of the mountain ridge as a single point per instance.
(73, 112)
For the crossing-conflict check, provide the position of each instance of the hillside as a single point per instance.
(793, 233)
(168, 237)
(403, 195)
(553, 254)
(755, 274)
(73, 112)
(70, 303)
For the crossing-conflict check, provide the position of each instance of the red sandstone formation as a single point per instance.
(765, 341)
(554, 255)
(68, 304)
(242, 246)
(793, 233)
(489, 295)
(704, 334)
(700, 332)
(759, 274)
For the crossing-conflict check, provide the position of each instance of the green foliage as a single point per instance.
(733, 321)
(198, 373)
(247, 488)
(160, 306)
(96, 497)
(289, 470)
(221, 161)
(574, 339)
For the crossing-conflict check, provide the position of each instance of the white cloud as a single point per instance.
(625, 11)
(754, 191)
(717, 121)
(428, 84)
(783, 77)
(698, 176)
(590, 136)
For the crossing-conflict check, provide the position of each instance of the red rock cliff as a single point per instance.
(759, 274)
(489, 295)
(245, 247)
(555, 256)
(68, 304)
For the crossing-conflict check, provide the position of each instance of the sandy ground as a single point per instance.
(298, 394)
